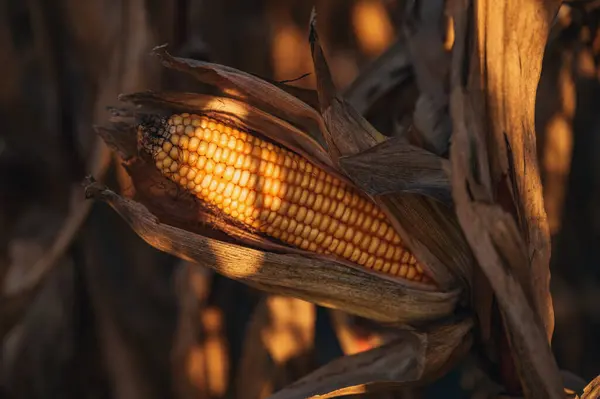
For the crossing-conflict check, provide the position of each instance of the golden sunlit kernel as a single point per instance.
(405, 257)
(184, 142)
(202, 148)
(341, 248)
(292, 210)
(276, 204)
(229, 191)
(362, 259)
(244, 194)
(301, 215)
(292, 226)
(348, 251)
(381, 248)
(252, 199)
(174, 153)
(299, 195)
(219, 169)
(327, 242)
(386, 267)
(374, 245)
(174, 166)
(210, 166)
(228, 173)
(193, 144)
(403, 270)
(183, 171)
(254, 165)
(346, 215)
(167, 146)
(333, 226)
(340, 232)
(412, 272)
(378, 264)
(244, 178)
(210, 151)
(334, 244)
(370, 262)
(304, 232)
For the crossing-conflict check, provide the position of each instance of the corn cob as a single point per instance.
(276, 192)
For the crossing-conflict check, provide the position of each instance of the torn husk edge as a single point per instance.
(449, 260)
(413, 358)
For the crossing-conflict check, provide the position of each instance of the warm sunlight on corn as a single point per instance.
(276, 192)
(372, 26)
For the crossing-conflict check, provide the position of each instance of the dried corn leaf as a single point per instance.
(492, 231)
(324, 282)
(252, 90)
(447, 258)
(413, 358)
(395, 166)
(339, 116)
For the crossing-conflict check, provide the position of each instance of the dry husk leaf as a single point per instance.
(412, 358)
(499, 209)
(448, 257)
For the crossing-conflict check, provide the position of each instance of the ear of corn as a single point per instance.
(276, 192)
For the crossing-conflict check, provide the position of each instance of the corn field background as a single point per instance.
(89, 310)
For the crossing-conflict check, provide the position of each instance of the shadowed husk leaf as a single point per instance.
(352, 134)
(412, 358)
(269, 97)
(395, 166)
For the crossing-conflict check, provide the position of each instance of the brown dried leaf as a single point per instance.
(492, 231)
(349, 134)
(413, 358)
(252, 90)
(341, 135)
(395, 166)
(514, 46)
(324, 282)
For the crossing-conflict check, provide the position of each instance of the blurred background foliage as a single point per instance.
(91, 311)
